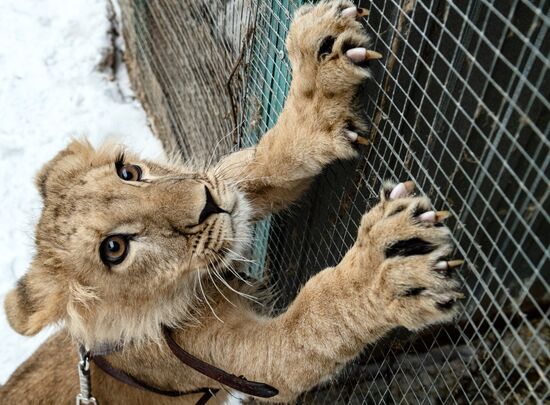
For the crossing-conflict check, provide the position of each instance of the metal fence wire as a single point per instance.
(460, 105)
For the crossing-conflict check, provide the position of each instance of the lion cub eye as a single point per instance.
(114, 249)
(129, 172)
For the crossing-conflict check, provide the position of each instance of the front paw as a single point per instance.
(404, 249)
(329, 52)
(328, 47)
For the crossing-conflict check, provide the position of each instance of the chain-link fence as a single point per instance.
(459, 104)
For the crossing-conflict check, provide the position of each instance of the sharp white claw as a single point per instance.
(352, 136)
(371, 55)
(398, 192)
(434, 216)
(355, 138)
(428, 216)
(350, 12)
(357, 54)
(441, 266)
(455, 263)
(402, 190)
(362, 12)
(449, 264)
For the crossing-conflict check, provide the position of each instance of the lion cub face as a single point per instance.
(121, 243)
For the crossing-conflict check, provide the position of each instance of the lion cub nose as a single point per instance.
(210, 207)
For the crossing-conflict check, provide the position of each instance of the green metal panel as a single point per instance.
(268, 84)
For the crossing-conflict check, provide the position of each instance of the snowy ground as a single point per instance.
(50, 91)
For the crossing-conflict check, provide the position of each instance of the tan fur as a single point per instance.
(176, 272)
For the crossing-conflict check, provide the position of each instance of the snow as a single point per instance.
(50, 91)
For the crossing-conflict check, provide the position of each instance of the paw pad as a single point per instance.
(410, 247)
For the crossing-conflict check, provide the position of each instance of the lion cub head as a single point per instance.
(121, 243)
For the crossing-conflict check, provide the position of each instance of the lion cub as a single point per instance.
(125, 247)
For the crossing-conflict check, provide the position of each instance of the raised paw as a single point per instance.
(328, 41)
(404, 249)
(330, 55)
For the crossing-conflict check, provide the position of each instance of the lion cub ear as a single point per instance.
(28, 310)
(63, 162)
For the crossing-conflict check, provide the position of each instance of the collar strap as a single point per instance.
(130, 380)
(241, 384)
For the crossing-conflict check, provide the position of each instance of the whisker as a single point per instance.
(230, 133)
(233, 239)
(216, 286)
(235, 165)
(208, 301)
(195, 289)
(229, 266)
(244, 295)
(239, 257)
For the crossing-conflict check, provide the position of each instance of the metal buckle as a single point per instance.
(84, 397)
(80, 400)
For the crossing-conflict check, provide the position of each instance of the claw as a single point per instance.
(402, 190)
(428, 216)
(409, 186)
(441, 266)
(354, 138)
(359, 55)
(398, 191)
(448, 265)
(434, 216)
(350, 12)
(362, 12)
(455, 263)
(372, 55)
(355, 12)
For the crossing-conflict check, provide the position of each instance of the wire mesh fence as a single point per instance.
(459, 104)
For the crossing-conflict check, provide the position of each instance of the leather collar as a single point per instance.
(240, 383)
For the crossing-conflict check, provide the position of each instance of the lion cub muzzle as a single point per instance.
(210, 207)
